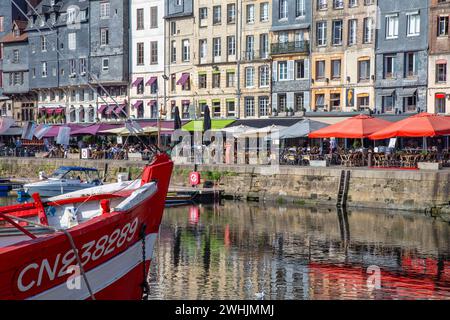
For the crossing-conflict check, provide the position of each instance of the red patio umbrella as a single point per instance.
(419, 125)
(360, 127)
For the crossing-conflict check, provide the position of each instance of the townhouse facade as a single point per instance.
(402, 57)
(16, 73)
(343, 55)
(439, 57)
(147, 58)
(179, 55)
(71, 71)
(215, 79)
(290, 53)
(8, 14)
(254, 61)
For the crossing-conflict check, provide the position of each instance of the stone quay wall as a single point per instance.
(388, 189)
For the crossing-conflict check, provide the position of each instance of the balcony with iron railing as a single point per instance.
(290, 47)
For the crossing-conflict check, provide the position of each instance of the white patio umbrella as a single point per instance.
(237, 130)
(265, 131)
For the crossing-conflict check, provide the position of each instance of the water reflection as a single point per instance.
(237, 250)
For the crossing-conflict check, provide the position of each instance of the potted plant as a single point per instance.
(274, 112)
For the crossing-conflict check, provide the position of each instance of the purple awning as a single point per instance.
(119, 110)
(138, 104)
(184, 78)
(102, 108)
(137, 82)
(94, 129)
(185, 101)
(152, 103)
(111, 108)
(151, 81)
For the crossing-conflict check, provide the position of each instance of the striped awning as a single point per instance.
(138, 104)
(184, 78)
(111, 108)
(102, 108)
(151, 81)
(138, 81)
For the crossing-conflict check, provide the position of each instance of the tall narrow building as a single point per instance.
(109, 57)
(402, 57)
(16, 73)
(254, 60)
(343, 55)
(147, 57)
(180, 57)
(290, 53)
(9, 12)
(439, 58)
(216, 36)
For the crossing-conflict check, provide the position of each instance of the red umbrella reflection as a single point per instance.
(194, 214)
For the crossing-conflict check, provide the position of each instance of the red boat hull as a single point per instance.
(110, 248)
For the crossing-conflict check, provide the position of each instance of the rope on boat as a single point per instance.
(71, 242)
(145, 285)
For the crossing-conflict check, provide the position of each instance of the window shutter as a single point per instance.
(290, 67)
(275, 71)
(306, 100)
(290, 100)
(274, 101)
(307, 75)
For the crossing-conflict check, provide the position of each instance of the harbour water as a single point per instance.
(239, 250)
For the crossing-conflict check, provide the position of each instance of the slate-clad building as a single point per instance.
(290, 52)
(76, 47)
(16, 73)
(8, 14)
(402, 56)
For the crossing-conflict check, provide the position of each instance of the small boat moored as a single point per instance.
(63, 180)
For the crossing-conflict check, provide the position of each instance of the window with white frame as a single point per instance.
(352, 23)
(392, 26)
(282, 70)
(250, 13)
(203, 48)
(413, 23)
(186, 50)
(264, 12)
(283, 9)
(249, 77)
(321, 33)
(442, 29)
(104, 9)
(43, 43)
(217, 14)
(217, 47)
(44, 69)
(264, 78)
(231, 45)
(72, 41)
(83, 66)
(300, 10)
(337, 32)
(249, 106)
(104, 36)
(263, 106)
(105, 64)
(72, 67)
(368, 30)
